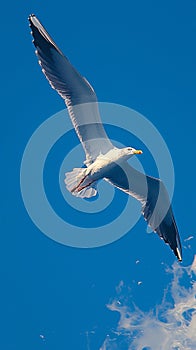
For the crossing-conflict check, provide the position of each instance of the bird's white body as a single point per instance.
(81, 181)
(105, 162)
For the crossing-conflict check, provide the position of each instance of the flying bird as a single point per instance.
(103, 159)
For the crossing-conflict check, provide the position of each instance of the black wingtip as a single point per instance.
(40, 35)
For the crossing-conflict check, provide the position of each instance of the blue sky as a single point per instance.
(140, 55)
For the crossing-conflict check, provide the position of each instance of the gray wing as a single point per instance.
(76, 91)
(156, 206)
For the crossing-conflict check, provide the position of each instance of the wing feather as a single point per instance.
(156, 206)
(76, 91)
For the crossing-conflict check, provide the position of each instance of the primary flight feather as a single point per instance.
(103, 159)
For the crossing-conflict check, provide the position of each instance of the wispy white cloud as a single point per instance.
(169, 326)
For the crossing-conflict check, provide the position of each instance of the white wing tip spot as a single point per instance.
(179, 254)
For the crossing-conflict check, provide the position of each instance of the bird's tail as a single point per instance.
(78, 184)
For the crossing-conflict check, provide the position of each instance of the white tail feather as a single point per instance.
(74, 179)
(87, 192)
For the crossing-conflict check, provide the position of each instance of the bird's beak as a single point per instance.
(137, 151)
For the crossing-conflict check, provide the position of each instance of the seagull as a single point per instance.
(103, 159)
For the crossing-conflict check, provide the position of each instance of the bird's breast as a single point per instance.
(100, 167)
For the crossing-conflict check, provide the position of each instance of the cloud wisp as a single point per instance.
(169, 326)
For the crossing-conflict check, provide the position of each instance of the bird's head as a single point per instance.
(128, 152)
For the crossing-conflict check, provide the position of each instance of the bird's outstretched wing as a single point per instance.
(76, 91)
(156, 206)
